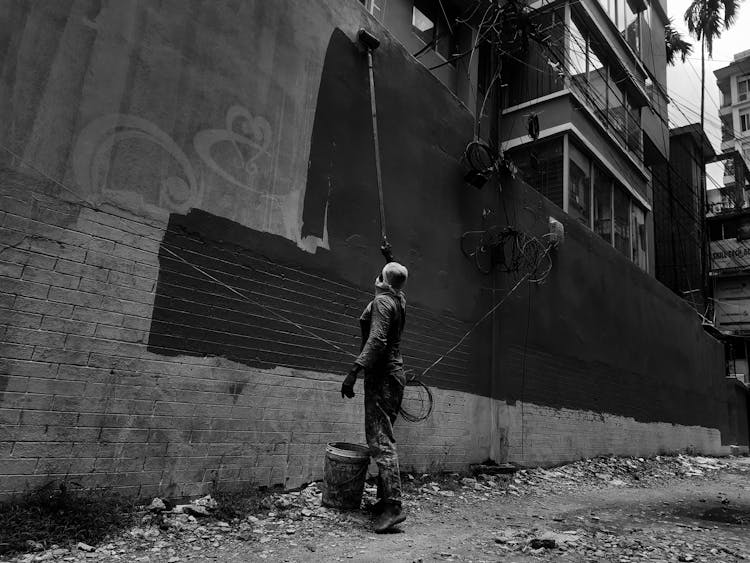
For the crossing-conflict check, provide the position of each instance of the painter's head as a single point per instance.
(395, 275)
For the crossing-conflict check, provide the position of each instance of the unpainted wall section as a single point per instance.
(190, 235)
(738, 414)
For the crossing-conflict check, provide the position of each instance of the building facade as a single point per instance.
(190, 227)
(596, 83)
(681, 245)
(733, 81)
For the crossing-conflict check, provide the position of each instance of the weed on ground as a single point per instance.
(62, 513)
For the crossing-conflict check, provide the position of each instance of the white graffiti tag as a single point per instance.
(93, 152)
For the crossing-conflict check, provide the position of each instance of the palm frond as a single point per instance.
(675, 44)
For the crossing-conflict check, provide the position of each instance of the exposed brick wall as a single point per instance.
(82, 398)
(86, 391)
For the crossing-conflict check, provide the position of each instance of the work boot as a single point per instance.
(391, 515)
(376, 508)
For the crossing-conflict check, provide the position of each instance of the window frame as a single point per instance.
(441, 31)
(628, 131)
(744, 121)
(615, 186)
(743, 81)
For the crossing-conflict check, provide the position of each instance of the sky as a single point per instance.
(683, 79)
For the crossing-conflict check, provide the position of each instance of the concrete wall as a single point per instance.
(176, 180)
(738, 413)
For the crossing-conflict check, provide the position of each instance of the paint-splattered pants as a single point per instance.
(383, 395)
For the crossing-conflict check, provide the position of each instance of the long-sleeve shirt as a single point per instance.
(382, 323)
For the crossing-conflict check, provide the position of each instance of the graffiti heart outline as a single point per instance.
(254, 135)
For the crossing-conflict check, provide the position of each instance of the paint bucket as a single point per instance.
(344, 474)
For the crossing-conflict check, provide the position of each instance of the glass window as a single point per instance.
(541, 166)
(616, 110)
(744, 122)
(422, 26)
(576, 55)
(597, 90)
(430, 25)
(727, 133)
(535, 73)
(602, 204)
(579, 185)
(622, 220)
(638, 238)
(621, 11)
(632, 31)
(635, 141)
(609, 7)
(743, 87)
(726, 98)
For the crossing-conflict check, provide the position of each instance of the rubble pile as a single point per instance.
(171, 533)
(613, 471)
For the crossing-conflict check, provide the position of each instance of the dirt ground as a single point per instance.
(676, 509)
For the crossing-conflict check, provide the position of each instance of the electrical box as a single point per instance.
(556, 232)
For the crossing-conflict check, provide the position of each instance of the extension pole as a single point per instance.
(371, 44)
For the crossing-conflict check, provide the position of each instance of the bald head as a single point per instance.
(395, 275)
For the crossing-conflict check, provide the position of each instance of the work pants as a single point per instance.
(383, 395)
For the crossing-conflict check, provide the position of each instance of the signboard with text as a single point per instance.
(730, 254)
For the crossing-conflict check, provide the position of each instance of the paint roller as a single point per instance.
(370, 43)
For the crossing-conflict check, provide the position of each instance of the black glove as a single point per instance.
(347, 387)
(385, 250)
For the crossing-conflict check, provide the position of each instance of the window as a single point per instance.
(429, 24)
(601, 89)
(632, 31)
(374, 7)
(602, 204)
(744, 122)
(726, 98)
(577, 57)
(622, 220)
(743, 87)
(541, 166)
(595, 198)
(579, 185)
(638, 236)
(536, 73)
(727, 133)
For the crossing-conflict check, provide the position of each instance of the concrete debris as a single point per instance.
(296, 518)
(157, 505)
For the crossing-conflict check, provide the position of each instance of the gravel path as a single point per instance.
(609, 509)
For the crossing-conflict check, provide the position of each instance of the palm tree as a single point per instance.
(705, 20)
(675, 44)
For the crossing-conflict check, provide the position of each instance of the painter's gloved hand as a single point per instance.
(385, 250)
(347, 387)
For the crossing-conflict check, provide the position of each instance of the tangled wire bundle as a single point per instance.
(508, 249)
(424, 397)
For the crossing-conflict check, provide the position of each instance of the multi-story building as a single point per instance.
(733, 81)
(678, 207)
(595, 84)
(581, 96)
(728, 218)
